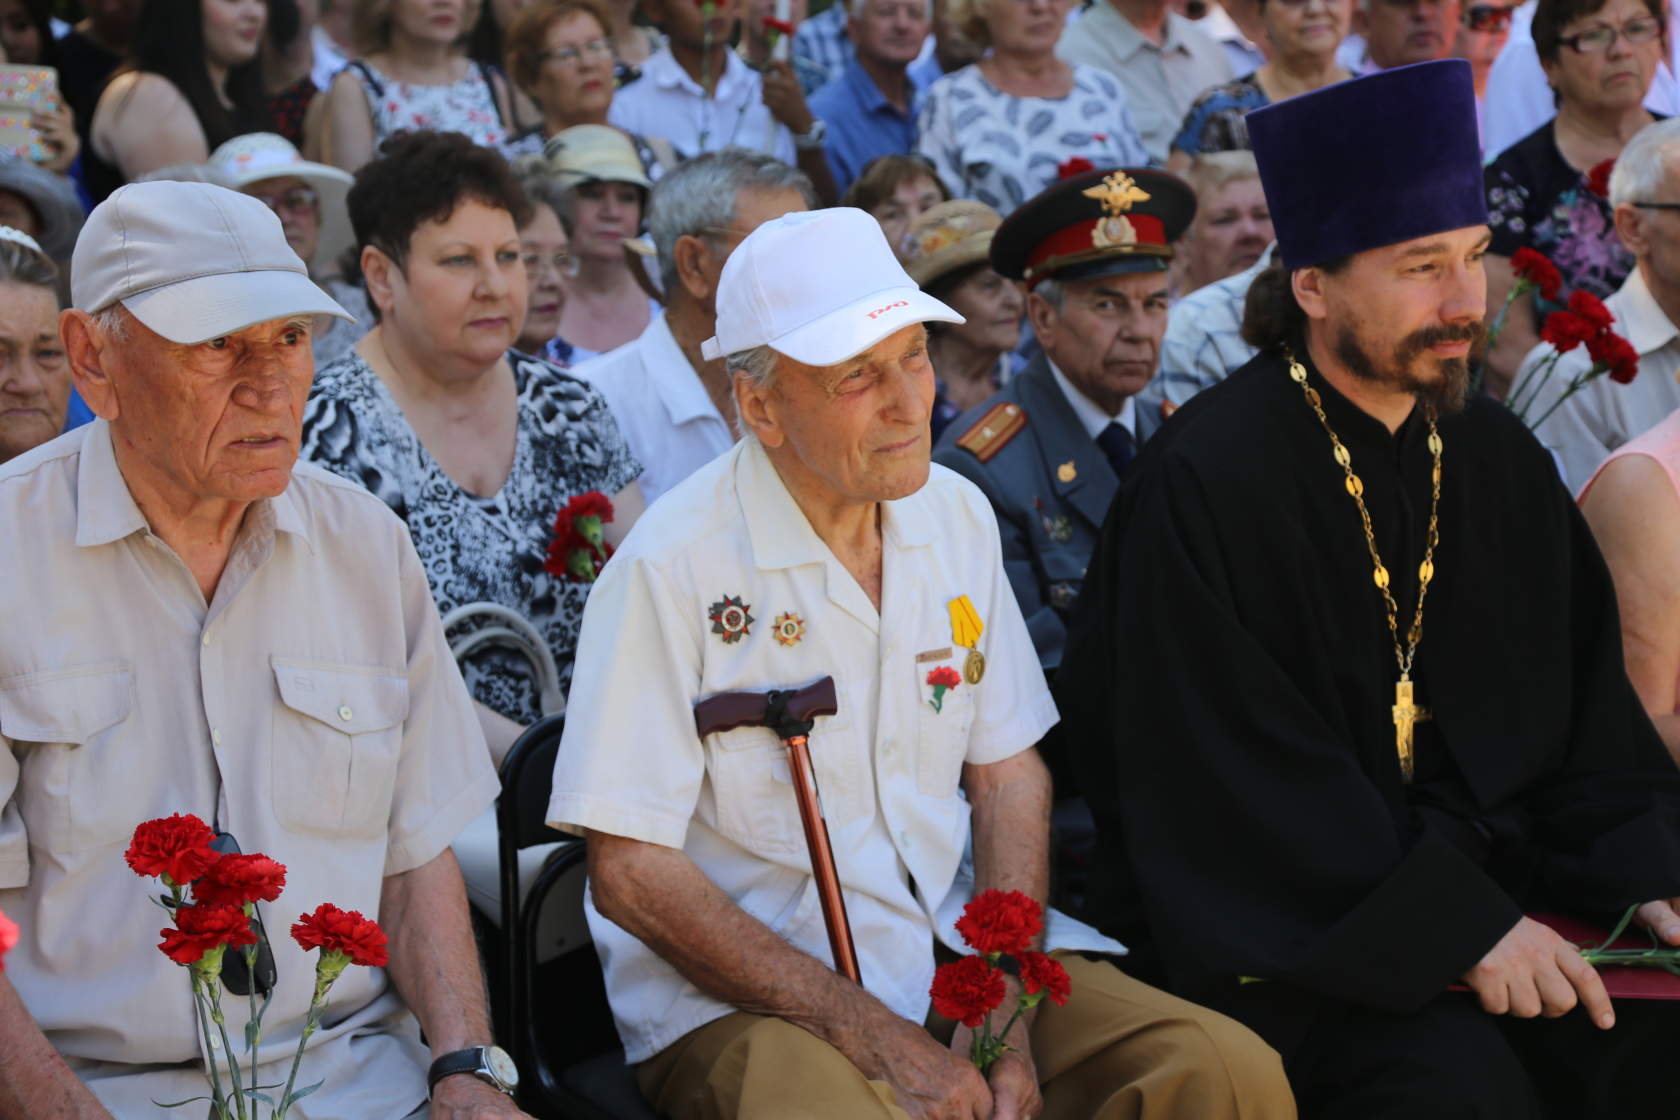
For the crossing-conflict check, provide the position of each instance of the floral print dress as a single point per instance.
(467, 106)
(477, 549)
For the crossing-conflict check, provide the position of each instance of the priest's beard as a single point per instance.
(1445, 392)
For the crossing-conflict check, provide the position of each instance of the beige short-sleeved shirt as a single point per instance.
(312, 709)
(659, 634)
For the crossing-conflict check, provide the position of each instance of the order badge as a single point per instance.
(966, 628)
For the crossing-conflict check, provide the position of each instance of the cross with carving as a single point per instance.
(1406, 716)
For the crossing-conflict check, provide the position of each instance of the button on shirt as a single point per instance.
(862, 123)
(662, 631)
(666, 102)
(311, 708)
(1161, 80)
(662, 409)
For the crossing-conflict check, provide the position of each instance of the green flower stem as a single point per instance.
(1528, 390)
(1574, 387)
(204, 1025)
(253, 1033)
(326, 971)
(1518, 289)
(227, 1048)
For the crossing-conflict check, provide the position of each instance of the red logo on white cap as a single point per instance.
(879, 311)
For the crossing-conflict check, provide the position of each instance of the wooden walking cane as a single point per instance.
(790, 715)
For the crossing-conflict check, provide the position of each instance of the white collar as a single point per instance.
(1091, 415)
(679, 385)
(1643, 323)
(665, 72)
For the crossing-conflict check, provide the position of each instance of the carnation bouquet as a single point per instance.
(579, 546)
(1000, 926)
(211, 899)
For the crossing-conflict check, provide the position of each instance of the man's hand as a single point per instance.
(1533, 971)
(931, 1082)
(1014, 1078)
(784, 98)
(463, 1097)
(1662, 918)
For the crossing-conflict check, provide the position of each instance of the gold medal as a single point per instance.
(974, 667)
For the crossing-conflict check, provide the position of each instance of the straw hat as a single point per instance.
(947, 237)
(256, 156)
(594, 153)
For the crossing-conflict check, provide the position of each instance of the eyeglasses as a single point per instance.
(298, 200)
(1487, 17)
(561, 264)
(569, 56)
(1656, 205)
(1598, 40)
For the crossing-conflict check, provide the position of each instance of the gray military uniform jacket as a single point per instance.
(1050, 486)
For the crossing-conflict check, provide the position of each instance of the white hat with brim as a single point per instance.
(192, 262)
(820, 286)
(257, 156)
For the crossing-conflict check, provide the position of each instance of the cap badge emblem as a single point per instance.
(1118, 193)
(730, 618)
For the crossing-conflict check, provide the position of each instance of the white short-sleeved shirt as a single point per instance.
(657, 637)
(667, 103)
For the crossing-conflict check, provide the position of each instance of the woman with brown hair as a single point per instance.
(895, 190)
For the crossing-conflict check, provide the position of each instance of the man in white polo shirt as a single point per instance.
(826, 545)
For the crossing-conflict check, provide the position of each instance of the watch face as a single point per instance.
(501, 1066)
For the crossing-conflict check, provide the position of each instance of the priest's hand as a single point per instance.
(1662, 918)
(1534, 971)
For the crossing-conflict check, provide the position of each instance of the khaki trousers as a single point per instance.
(1118, 1050)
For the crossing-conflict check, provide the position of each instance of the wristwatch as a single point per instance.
(814, 138)
(490, 1064)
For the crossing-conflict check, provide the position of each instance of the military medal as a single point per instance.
(1066, 472)
(1058, 528)
(966, 628)
(788, 629)
(730, 618)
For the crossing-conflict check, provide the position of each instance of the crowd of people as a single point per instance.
(726, 345)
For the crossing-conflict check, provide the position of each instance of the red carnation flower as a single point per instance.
(332, 930)
(1566, 330)
(1598, 179)
(1040, 972)
(1077, 165)
(967, 990)
(944, 676)
(1001, 922)
(235, 880)
(1592, 309)
(8, 937)
(177, 847)
(580, 547)
(1537, 270)
(199, 929)
(779, 25)
(1616, 354)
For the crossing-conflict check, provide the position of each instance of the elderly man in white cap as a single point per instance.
(195, 623)
(827, 546)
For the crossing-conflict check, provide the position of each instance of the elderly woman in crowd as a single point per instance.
(560, 54)
(895, 190)
(1599, 57)
(544, 244)
(1633, 506)
(1232, 226)
(43, 205)
(192, 83)
(414, 73)
(34, 375)
(999, 130)
(1304, 35)
(476, 446)
(309, 199)
(606, 190)
(947, 255)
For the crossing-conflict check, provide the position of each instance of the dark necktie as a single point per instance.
(1116, 443)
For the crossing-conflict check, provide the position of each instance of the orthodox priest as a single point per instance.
(1346, 692)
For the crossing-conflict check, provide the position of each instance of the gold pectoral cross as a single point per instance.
(1406, 716)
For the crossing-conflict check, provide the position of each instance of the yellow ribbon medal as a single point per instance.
(966, 629)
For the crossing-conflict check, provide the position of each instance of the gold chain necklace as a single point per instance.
(1406, 713)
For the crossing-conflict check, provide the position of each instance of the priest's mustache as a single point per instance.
(1419, 341)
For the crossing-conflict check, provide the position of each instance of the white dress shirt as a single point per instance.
(667, 103)
(1603, 414)
(888, 764)
(665, 413)
(1091, 414)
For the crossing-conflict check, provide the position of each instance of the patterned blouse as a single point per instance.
(467, 106)
(1537, 200)
(1215, 121)
(1001, 149)
(477, 549)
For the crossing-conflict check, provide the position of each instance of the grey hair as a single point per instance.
(856, 7)
(112, 321)
(758, 368)
(699, 199)
(1639, 171)
(1051, 292)
(542, 186)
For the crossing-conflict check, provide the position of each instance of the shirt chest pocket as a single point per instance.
(945, 715)
(752, 784)
(67, 728)
(337, 740)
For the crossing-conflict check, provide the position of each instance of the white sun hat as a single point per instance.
(256, 156)
(192, 262)
(820, 286)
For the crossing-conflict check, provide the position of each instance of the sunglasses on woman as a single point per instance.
(1487, 17)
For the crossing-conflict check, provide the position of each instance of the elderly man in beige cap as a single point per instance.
(196, 623)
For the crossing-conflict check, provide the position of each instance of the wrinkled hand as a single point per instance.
(463, 1097)
(1014, 1078)
(931, 1082)
(784, 98)
(57, 126)
(1534, 971)
(1662, 918)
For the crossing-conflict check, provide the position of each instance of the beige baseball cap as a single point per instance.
(191, 261)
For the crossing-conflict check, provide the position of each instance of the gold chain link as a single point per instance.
(1356, 489)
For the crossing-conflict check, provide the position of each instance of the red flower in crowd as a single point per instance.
(1592, 309)
(944, 676)
(332, 930)
(1566, 330)
(235, 880)
(1598, 179)
(1077, 165)
(8, 937)
(199, 929)
(1616, 354)
(967, 990)
(176, 846)
(779, 25)
(1537, 270)
(1000, 922)
(1040, 972)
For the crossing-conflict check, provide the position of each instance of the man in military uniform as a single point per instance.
(1048, 449)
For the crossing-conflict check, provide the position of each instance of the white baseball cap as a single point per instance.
(191, 261)
(820, 286)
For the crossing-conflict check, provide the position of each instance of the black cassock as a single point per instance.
(1227, 695)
